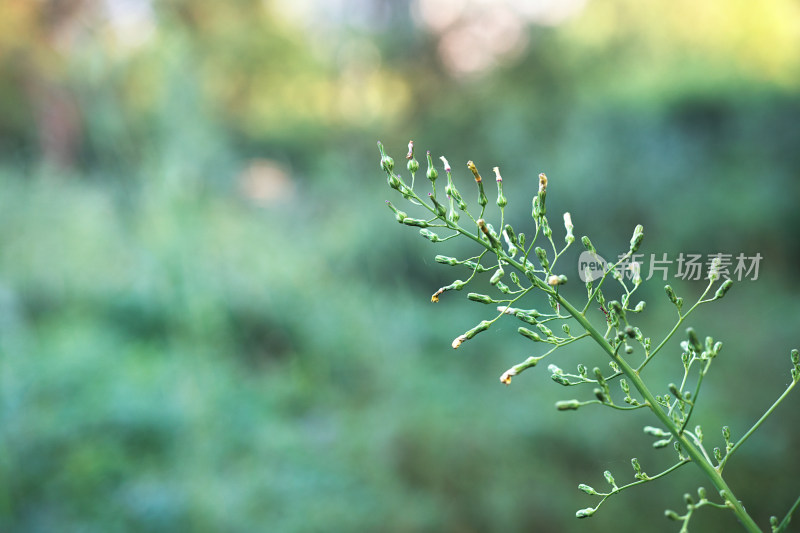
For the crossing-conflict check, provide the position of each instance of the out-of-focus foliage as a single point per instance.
(210, 322)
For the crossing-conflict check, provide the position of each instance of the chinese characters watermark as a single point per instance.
(592, 266)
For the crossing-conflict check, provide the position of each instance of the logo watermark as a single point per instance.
(592, 266)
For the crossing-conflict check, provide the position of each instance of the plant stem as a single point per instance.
(714, 476)
(756, 425)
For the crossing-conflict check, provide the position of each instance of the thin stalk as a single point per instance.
(696, 455)
(756, 425)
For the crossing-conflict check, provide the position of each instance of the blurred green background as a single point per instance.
(209, 321)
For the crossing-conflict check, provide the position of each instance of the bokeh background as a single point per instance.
(209, 321)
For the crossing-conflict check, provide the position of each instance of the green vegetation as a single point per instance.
(207, 325)
(504, 248)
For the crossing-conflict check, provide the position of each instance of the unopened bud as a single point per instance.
(723, 289)
(636, 240)
(496, 276)
(586, 488)
(532, 335)
(387, 163)
(694, 341)
(585, 513)
(445, 260)
(670, 293)
(568, 405)
(672, 515)
(398, 215)
(542, 255)
(438, 207)
(609, 478)
(408, 221)
(588, 244)
(795, 356)
(661, 443)
(428, 234)
(431, 173)
(481, 298)
(556, 280)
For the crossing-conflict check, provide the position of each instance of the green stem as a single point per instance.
(785, 522)
(696, 455)
(756, 425)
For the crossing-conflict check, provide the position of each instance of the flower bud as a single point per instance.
(485, 229)
(481, 298)
(542, 255)
(636, 240)
(428, 234)
(413, 164)
(660, 443)
(723, 289)
(445, 260)
(438, 207)
(795, 356)
(398, 215)
(501, 200)
(532, 335)
(672, 515)
(387, 163)
(456, 285)
(673, 389)
(655, 432)
(431, 173)
(586, 488)
(609, 478)
(588, 244)
(701, 493)
(694, 341)
(408, 221)
(670, 293)
(585, 513)
(568, 405)
(496, 276)
(600, 394)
